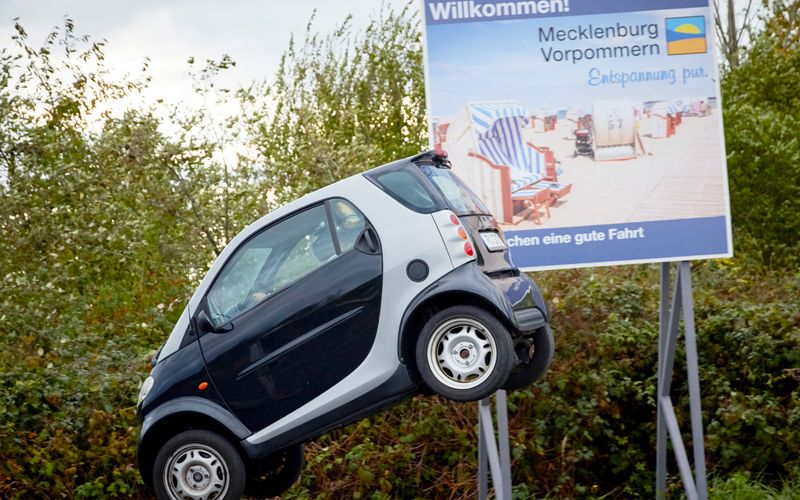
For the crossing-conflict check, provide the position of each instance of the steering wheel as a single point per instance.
(253, 298)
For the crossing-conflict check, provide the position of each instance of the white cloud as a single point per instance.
(154, 34)
(254, 33)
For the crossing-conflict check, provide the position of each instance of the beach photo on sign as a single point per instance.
(584, 120)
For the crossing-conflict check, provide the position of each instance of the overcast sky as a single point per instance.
(253, 33)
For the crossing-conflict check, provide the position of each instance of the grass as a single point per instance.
(741, 486)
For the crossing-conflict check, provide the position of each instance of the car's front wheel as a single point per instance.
(464, 353)
(198, 464)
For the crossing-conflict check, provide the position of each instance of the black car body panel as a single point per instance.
(177, 394)
(302, 334)
(179, 376)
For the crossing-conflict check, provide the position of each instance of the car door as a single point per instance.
(295, 309)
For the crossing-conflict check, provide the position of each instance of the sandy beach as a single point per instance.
(677, 177)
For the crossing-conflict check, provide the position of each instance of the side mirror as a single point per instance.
(203, 323)
(205, 326)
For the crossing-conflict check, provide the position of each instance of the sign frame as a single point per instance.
(683, 245)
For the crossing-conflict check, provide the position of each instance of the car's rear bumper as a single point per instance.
(522, 296)
(529, 320)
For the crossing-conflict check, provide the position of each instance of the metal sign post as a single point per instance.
(490, 456)
(494, 453)
(669, 318)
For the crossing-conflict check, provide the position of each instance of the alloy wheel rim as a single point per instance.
(196, 472)
(461, 353)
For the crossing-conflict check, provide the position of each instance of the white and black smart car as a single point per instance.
(328, 310)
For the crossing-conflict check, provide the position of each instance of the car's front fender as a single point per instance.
(180, 414)
(194, 405)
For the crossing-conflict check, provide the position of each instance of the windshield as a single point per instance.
(460, 198)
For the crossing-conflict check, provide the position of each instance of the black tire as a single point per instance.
(480, 353)
(276, 473)
(534, 364)
(207, 454)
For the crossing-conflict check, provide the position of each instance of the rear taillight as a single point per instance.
(462, 233)
(455, 237)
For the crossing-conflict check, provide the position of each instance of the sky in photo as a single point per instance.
(254, 33)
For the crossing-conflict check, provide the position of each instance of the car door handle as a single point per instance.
(368, 241)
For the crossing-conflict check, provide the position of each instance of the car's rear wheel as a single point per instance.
(464, 353)
(276, 473)
(535, 357)
(198, 464)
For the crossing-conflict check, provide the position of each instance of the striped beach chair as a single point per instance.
(524, 168)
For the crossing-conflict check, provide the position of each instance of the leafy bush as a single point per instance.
(762, 109)
(94, 234)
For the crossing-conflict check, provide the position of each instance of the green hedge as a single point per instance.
(587, 429)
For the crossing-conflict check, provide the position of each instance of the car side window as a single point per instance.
(272, 260)
(310, 252)
(348, 221)
(462, 200)
(402, 186)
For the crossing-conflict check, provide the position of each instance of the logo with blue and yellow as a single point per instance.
(686, 35)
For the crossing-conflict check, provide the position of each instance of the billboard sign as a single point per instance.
(592, 129)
